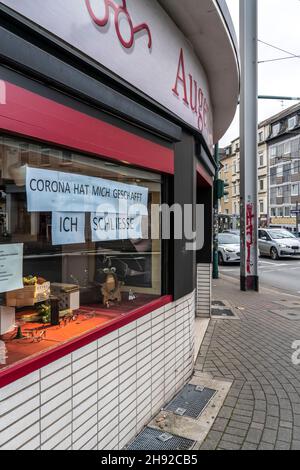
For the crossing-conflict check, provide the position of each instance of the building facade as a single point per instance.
(101, 121)
(230, 174)
(284, 161)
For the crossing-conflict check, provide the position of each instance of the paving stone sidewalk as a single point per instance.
(262, 409)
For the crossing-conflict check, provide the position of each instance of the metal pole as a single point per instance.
(249, 146)
(216, 220)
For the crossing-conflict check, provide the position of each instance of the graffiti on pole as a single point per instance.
(249, 236)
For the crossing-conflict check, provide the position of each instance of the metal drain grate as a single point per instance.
(152, 439)
(222, 312)
(288, 314)
(218, 303)
(191, 401)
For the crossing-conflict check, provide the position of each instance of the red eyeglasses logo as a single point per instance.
(119, 10)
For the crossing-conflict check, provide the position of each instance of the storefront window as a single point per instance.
(69, 263)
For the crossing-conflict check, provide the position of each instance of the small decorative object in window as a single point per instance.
(111, 289)
(67, 294)
(131, 295)
(45, 312)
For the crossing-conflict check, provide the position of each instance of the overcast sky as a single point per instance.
(279, 25)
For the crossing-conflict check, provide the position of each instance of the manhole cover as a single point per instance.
(293, 314)
(152, 439)
(222, 312)
(288, 303)
(218, 303)
(192, 399)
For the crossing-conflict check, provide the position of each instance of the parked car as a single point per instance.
(233, 232)
(277, 243)
(229, 248)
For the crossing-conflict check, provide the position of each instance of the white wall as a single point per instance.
(102, 395)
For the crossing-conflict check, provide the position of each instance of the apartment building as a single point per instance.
(284, 168)
(230, 173)
(263, 178)
(226, 160)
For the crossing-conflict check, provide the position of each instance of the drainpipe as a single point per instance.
(215, 218)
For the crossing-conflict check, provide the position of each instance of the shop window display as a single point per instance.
(60, 276)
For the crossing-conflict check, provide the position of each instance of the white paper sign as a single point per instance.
(68, 228)
(11, 267)
(115, 227)
(54, 191)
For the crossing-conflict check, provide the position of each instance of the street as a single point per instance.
(283, 274)
(255, 352)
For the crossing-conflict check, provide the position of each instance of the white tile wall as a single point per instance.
(101, 396)
(204, 290)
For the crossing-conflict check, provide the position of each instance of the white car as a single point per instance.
(229, 250)
(277, 243)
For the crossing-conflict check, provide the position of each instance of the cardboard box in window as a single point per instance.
(28, 296)
(67, 294)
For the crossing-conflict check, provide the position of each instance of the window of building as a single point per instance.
(275, 129)
(295, 189)
(273, 212)
(280, 191)
(280, 212)
(260, 137)
(226, 168)
(292, 122)
(273, 175)
(77, 232)
(273, 195)
(261, 207)
(273, 151)
(287, 148)
(287, 211)
(296, 167)
(261, 159)
(295, 146)
(280, 171)
(261, 185)
(280, 150)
